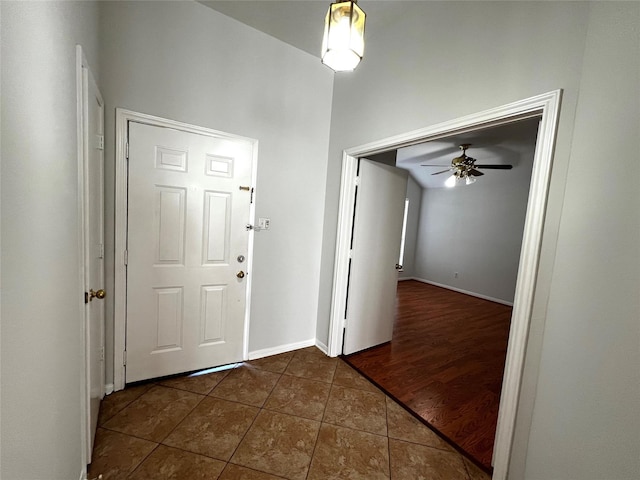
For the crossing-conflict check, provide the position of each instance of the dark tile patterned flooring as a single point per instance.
(299, 416)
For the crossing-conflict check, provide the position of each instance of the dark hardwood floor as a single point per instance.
(445, 363)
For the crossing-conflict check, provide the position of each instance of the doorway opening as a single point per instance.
(546, 107)
(445, 361)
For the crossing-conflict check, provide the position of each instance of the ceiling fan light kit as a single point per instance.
(343, 41)
(464, 169)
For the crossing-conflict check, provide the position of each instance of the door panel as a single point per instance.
(373, 278)
(186, 227)
(93, 130)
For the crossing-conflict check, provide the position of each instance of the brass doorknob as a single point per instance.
(240, 274)
(97, 294)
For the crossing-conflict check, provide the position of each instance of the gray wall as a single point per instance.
(184, 61)
(41, 290)
(476, 230)
(583, 346)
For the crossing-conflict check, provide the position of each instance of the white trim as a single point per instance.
(466, 292)
(108, 389)
(123, 117)
(322, 347)
(343, 245)
(547, 107)
(267, 352)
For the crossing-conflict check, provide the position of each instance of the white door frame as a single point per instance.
(123, 117)
(545, 106)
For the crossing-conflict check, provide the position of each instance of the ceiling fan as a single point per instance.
(464, 168)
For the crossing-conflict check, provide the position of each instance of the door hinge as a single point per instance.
(102, 354)
(350, 253)
(100, 143)
(126, 150)
(357, 181)
(126, 257)
(101, 250)
(124, 358)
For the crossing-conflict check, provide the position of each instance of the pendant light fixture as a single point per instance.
(343, 41)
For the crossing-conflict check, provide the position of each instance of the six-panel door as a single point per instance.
(187, 218)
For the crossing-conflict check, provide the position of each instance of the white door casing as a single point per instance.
(547, 107)
(377, 233)
(91, 112)
(188, 208)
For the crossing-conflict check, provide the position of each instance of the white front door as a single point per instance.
(93, 131)
(188, 210)
(373, 277)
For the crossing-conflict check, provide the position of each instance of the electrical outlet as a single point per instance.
(264, 223)
(455, 274)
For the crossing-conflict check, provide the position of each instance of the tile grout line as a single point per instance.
(386, 413)
(324, 411)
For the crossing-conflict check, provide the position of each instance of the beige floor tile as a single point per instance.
(115, 454)
(278, 444)
(299, 396)
(155, 413)
(236, 472)
(246, 385)
(214, 428)
(346, 376)
(357, 409)
(196, 383)
(404, 426)
(342, 453)
(275, 363)
(412, 461)
(172, 464)
(311, 363)
(474, 472)
(113, 403)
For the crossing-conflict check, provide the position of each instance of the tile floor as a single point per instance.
(300, 415)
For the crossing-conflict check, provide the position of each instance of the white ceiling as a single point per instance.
(300, 24)
(498, 145)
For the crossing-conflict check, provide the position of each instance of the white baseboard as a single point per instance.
(108, 388)
(466, 292)
(322, 347)
(266, 352)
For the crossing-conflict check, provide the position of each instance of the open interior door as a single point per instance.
(375, 250)
(93, 238)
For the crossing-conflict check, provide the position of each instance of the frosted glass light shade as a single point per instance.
(451, 181)
(343, 41)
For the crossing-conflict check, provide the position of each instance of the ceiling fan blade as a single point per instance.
(443, 171)
(475, 173)
(427, 165)
(495, 167)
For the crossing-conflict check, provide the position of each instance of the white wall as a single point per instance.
(476, 230)
(42, 351)
(184, 61)
(586, 422)
(585, 334)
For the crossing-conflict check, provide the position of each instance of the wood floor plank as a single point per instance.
(445, 363)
